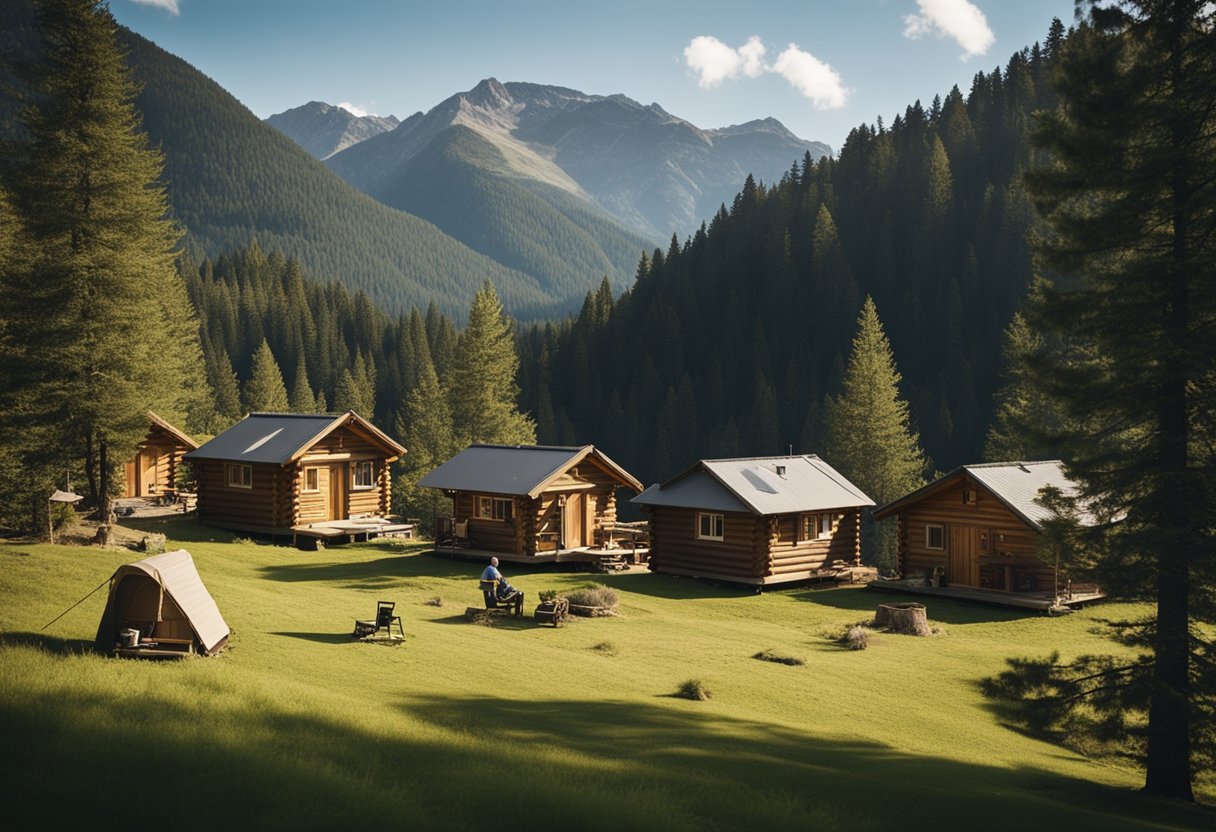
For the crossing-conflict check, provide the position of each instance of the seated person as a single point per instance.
(491, 573)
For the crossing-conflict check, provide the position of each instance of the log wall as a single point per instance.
(1006, 557)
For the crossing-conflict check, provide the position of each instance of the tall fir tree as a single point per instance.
(869, 438)
(264, 390)
(424, 424)
(1025, 414)
(1128, 200)
(107, 329)
(483, 390)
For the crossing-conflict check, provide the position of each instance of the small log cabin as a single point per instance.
(154, 470)
(762, 520)
(978, 526)
(272, 471)
(529, 501)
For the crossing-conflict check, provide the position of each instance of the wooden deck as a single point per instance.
(348, 531)
(603, 559)
(1042, 601)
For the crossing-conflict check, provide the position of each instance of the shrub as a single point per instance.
(547, 595)
(770, 656)
(695, 690)
(606, 648)
(434, 602)
(595, 595)
(858, 637)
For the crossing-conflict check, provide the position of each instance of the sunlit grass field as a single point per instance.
(296, 725)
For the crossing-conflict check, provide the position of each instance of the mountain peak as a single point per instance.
(324, 129)
(489, 93)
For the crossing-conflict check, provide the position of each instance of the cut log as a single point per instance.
(907, 618)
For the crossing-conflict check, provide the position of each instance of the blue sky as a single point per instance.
(819, 66)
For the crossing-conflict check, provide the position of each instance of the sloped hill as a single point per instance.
(323, 130)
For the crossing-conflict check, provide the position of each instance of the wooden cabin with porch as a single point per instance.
(759, 520)
(274, 473)
(978, 528)
(157, 465)
(531, 502)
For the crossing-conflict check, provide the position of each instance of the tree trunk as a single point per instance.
(90, 473)
(906, 618)
(103, 492)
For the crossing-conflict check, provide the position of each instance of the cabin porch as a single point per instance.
(309, 535)
(599, 558)
(1073, 598)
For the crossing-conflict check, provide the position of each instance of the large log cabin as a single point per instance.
(762, 520)
(979, 527)
(529, 502)
(154, 470)
(272, 471)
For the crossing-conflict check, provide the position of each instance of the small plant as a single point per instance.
(770, 656)
(242, 541)
(606, 648)
(548, 595)
(857, 637)
(695, 690)
(434, 602)
(595, 595)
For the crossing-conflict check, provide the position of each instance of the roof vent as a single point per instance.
(781, 470)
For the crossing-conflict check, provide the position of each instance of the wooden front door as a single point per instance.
(337, 491)
(131, 478)
(572, 523)
(963, 565)
(148, 462)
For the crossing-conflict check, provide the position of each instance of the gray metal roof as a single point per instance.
(264, 437)
(521, 470)
(1017, 484)
(753, 484)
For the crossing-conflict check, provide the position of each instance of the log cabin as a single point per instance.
(157, 464)
(760, 520)
(272, 471)
(978, 527)
(530, 502)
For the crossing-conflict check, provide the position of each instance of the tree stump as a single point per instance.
(907, 618)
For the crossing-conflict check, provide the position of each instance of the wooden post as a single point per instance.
(857, 537)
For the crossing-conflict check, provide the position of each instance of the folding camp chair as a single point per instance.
(384, 621)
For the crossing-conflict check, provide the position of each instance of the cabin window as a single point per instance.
(825, 525)
(808, 527)
(935, 536)
(312, 479)
(240, 476)
(495, 508)
(710, 526)
(969, 497)
(365, 474)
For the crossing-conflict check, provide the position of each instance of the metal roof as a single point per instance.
(806, 483)
(520, 470)
(278, 438)
(1015, 484)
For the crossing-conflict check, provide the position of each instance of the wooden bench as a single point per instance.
(489, 593)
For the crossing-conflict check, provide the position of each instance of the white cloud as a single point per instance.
(354, 109)
(171, 6)
(957, 19)
(752, 56)
(811, 77)
(714, 62)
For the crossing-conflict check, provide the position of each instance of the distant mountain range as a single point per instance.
(650, 171)
(323, 129)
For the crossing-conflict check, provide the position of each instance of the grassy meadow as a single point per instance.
(464, 726)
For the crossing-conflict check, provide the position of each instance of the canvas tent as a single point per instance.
(164, 598)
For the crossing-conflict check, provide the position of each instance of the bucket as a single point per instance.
(128, 638)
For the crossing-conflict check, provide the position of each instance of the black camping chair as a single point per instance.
(384, 621)
(489, 591)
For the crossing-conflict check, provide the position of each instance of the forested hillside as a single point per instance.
(730, 340)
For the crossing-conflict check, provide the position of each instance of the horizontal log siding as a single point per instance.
(742, 552)
(988, 515)
(788, 555)
(219, 503)
(490, 535)
(313, 506)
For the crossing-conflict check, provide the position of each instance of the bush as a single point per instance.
(770, 656)
(695, 690)
(858, 637)
(547, 595)
(434, 602)
(605, 648)
(595, 595)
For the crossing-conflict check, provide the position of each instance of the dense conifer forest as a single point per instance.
(730, 340)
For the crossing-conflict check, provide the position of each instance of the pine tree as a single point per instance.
(1025, 414)
(265, 391)
(107, 330)
(222, 380)
(424, 424)
(483, 389)
(301, 399)
(869, 439)
(1128, 201)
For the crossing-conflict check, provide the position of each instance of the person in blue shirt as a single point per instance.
(491, 573)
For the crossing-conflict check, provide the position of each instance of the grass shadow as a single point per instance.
(181, 529)
(320, 638)
(946, 610)
(672, 587)
(51, 644)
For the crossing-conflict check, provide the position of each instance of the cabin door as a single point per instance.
(963, 565)
(147, 461)
(337, 491)
(130, 478)
(573, 523)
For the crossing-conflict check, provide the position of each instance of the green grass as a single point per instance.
(298, 726)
